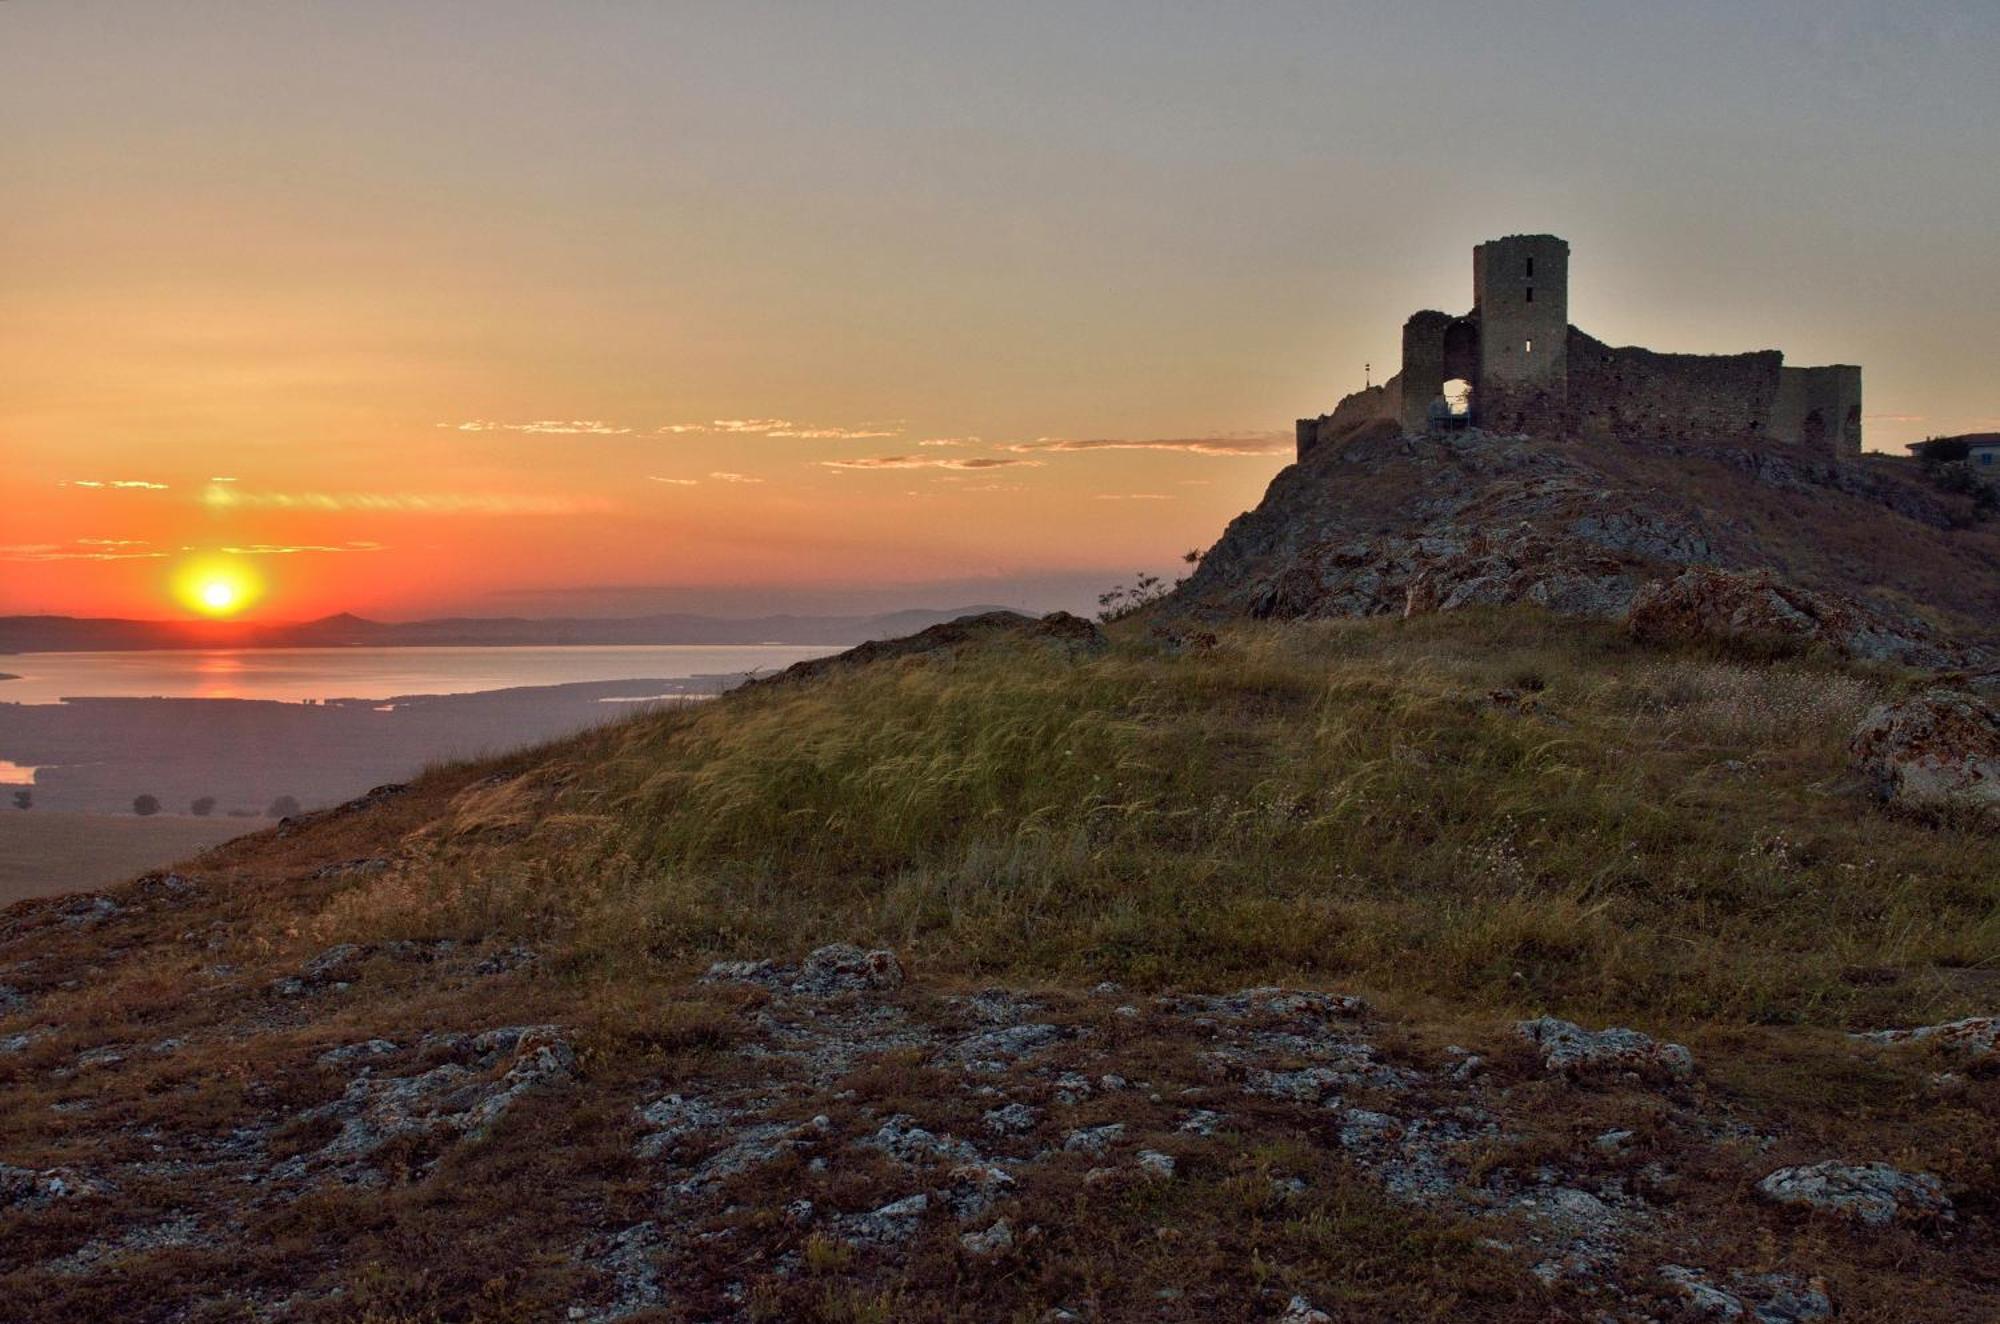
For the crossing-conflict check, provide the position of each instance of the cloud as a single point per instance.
(734, 478)
(550, 426)
(417, 503)
(1133, 496)
(1896, 418)
(784, 427)
(1229, 444)
(289, 549)
(949, 441)
(83, 549)
(928, 462)
(111, 542)
(676, 482)
(124, 484)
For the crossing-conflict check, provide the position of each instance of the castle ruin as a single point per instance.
(1514, 364)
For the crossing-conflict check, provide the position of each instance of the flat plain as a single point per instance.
(45, 853)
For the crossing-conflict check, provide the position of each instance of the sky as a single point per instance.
(428, 306)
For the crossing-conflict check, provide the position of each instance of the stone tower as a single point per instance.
(1520, 296)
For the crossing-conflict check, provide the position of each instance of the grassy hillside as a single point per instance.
(448, 1055)
(1504, 810)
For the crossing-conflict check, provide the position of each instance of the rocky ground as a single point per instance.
(847, 1133)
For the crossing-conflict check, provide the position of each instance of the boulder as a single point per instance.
(1976, 1037)
(842, 967)
(1705, 603)
(1872, 1194)
(1569, 1048)
(1935, 750)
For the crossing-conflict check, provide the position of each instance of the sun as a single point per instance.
(216, 586)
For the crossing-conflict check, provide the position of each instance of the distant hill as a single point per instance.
(50, 634)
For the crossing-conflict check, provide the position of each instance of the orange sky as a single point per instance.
(415, 304)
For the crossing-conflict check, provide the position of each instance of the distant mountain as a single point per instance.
(50, 634)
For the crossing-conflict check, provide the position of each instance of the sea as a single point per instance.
(302, 674)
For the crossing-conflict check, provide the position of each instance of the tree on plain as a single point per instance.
(203, 806)
(146, 806)
(282, 807)
(24, 799)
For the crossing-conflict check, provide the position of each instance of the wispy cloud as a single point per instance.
(784, 427)
(290, 549)
(734, 478)
(1896, 418)
(219, 497)
(674, 482)
(1134, 496)
(929, 462)
(83, 549)
(122, 484)
(949, 441)
(1226, 444)
(550, 426)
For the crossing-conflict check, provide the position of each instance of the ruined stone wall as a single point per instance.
(1819, 408)
(1635, 393)
(1364, 406)
(1423, 366)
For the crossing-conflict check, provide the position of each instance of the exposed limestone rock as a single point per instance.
(1873, 1194)
(1935, 750)
(1391, 524)
(24, 1188)
(995, 1240)
(1568, 1047)
(835, 968)
(451, 1101)
(1706, 603)
(841, 967)
(1301, 1311)
(1976, 1037)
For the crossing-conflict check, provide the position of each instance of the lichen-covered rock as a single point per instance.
(835, 968)
(1872, 1194)
(842, 967)
(1568, 1047)
(1976, 1037)
(1935, 750)
(1705, 603)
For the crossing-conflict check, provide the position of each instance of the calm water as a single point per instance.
(367, 673)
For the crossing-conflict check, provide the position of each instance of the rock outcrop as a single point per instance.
(1383, 523)
(1872, 1194)
(1976, 1038)
(1705, 603)
(1938, 750)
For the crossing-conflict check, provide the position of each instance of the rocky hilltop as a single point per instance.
(1382, 522)
(1508, 964)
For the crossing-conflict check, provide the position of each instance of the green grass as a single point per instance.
(1622, 831)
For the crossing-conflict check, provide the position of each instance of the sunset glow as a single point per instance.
(438, 343)
(215, 587)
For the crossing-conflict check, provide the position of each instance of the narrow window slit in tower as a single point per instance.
(1527, 347)
(1531, 268)
(1531, 294)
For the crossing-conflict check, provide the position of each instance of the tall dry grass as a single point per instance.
(1502, 809)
